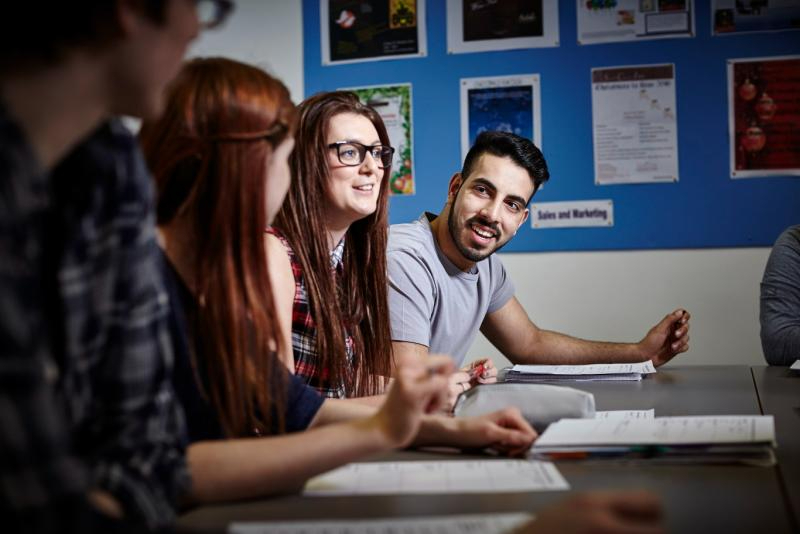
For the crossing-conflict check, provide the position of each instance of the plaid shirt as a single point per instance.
(85, 366)
(304, 328)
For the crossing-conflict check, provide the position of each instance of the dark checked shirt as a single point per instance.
(85, 358)
(304, 329)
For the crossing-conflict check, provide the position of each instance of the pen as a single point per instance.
(476, 372)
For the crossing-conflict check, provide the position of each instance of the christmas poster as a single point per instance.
(635, 130)
(606, 21)
(371, 30)
(502, 103)
(738, 16)
(486, 25)
(393, 104)
(764, 116)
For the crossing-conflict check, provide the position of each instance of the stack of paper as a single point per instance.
(724, 439)
(604, 371)
(455, 524)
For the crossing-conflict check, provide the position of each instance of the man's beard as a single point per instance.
(468, 253)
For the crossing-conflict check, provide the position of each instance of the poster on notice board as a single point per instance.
(608, 21)
(634, 125)
(371, 30)
(500, 103)
(487, 25)
(763, 116)
(393, 104)
(739, 16)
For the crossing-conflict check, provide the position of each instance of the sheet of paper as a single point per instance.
(629, 20)
(659, 431)
(634, 124)
(454, 524)
(537, 379)
(471, 476)
(795, 366)
(618, 415)
(591, 369)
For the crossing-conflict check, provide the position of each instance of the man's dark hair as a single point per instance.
(522, 151)
(33, 33)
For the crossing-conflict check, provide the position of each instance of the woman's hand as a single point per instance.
(505, 431)
(482, 372)
(417, 390)
(457, 383)
(623, 512)
(478, 372)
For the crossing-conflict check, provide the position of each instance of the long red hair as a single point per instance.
(359, 300)
(209, 154)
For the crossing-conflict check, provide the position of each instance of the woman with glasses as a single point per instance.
(327, 249)
(219, 155)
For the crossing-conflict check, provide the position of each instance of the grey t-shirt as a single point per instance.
(780, 300)
(431, 301)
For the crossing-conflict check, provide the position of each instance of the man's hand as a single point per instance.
(622, 512)
(505, 431)
(667, 339)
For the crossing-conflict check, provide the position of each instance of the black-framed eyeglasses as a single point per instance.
(352, 153)
(212, 13)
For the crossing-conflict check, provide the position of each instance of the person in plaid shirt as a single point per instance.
(332, 288)
(91, 432)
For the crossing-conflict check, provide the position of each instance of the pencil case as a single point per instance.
(540, 404)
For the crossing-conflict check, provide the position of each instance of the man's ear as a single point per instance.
(455, 185)
(524, 218)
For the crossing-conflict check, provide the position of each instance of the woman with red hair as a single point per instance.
(220, 159)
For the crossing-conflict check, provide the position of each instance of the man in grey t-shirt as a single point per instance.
(445, 283)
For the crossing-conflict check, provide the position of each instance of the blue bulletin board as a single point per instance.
(705, 208)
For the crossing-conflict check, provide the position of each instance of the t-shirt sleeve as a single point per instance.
(502, 285)
(303, 403)
(780, 301)
(411, 298)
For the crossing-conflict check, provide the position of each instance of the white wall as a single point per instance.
(265, 33)
(612, 296)
(618, 296)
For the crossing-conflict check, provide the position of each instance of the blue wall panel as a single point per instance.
(704, 209)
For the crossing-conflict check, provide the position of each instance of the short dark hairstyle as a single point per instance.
(522, 151)
(33, 33)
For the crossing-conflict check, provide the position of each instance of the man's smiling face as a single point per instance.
(488, 206)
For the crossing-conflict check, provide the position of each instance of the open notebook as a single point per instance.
(713, 439)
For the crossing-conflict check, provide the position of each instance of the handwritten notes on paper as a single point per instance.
(618, 415)
(476, 476)
(660, 431)
(591, 372)
(455, 524)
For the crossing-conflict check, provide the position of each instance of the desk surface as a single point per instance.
(779, 393)
(697, 498)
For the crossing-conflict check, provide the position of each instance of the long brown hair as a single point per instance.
(209, 151)
(359, 300)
